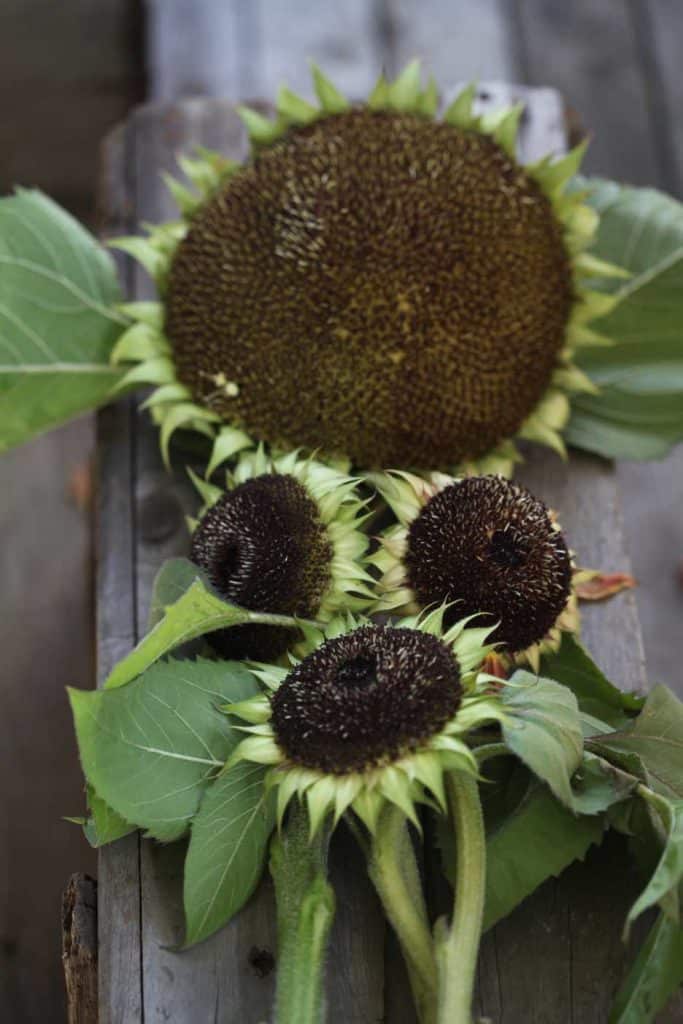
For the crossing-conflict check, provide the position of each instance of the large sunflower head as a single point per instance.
(375, 282)
(485, 544)
(372, 713)
(284, 537)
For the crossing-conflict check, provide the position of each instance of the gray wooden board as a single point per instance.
(120, 952)
(141, 524)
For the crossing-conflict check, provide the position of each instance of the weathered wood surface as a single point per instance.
(46, 642)
(68, 72)
(79, 949)
(571, 927)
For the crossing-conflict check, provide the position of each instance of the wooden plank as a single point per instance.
(120, 953)
(342, 38)
(653, 492)
(457, 40)
(231, 49)
(46, 636)
(192, 48)
(71, 81)
(587, 51)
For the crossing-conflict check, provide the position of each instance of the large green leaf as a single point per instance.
(638, 413)
(150, 748)
(543, 728)
(538, 841)
(174, 578)
(227, 849)
(58, 325)
(196, 612)
(572, 666)
(654, 977)
(663, 885)
(653, 743)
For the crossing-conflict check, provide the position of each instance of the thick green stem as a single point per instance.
(394, 873)
(459, 949)
(305, 910)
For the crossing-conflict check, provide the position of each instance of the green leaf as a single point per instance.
(572, 666)
(104, 825)
(539, 840)
(655, 740)
(543, 728)
(638, 413)
(598, 785)
(639, 227)
(175, 577)
(58, 326)
(150, 748)
(196, 612)
(669, 871)
(227, 849)
(654, 977)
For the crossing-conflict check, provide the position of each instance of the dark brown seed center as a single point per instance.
(263, 546)
(490, 546)
(376, 284)
(366, 699)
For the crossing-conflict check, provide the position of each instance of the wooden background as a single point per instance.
(67, 72)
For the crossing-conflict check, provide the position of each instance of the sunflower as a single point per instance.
(485, 544)
(284, 536)
(371, 715)
(373, 282)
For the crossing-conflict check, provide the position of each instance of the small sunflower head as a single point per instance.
(371, 713)
(365, 699)
(284, 537)
(483, 543)
(427, 288)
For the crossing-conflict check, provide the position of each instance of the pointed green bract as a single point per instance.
(331, 100)
(293, 108)
(378, 98)
(459, 113)
(505, 133)
(404, 92)
(261, 130)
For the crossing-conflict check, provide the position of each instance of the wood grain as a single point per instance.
(120, 951)
(79, 949)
